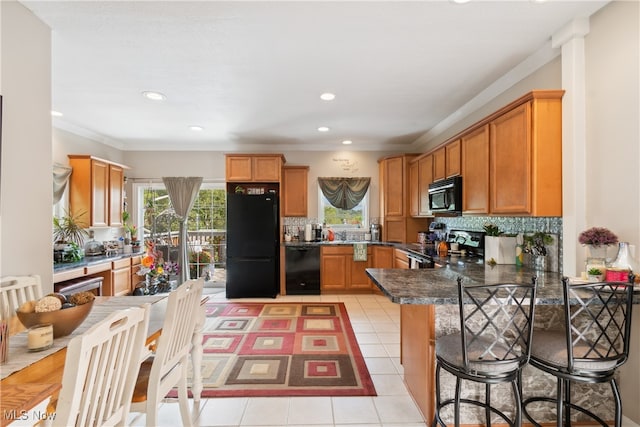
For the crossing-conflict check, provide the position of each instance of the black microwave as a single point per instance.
(446, 196)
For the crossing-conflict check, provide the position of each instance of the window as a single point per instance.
(357, 217)
(206, 225)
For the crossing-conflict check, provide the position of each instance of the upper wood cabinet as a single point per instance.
(439, 164)
(453, 153)
(395, 185)
(425, 177)
(420, 176)
(96, 190)
(414, 188)
(526, 157)
(294, 192)
(395, 200)
(475, 171)
(254, 167)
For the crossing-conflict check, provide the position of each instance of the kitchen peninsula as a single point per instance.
(428, 299)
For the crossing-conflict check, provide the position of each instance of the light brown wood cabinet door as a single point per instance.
(394, 176)
(358, 279)
(453, 154)
(238, 168)
(121, 281)
(382, 257)
(294, 199)
(439, 164)
(425, 171)
(333, 272)
(414, 189)
(267, 169)
(394, 230)
(116, 195)
(99, 194)
(510, 164)
(475, 171)
(400, 259)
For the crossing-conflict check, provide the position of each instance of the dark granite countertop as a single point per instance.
(89, 261)
(438, 285)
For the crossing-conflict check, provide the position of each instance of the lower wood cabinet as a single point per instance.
(120, 277)
(400, 259)
(417, 354)
(339, 273)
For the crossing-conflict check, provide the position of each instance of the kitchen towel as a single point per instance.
(359, 251)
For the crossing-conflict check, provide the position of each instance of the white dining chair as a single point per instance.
(16, 290)
(101, 366)
(168, 367)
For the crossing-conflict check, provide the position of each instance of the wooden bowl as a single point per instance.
(64, 321)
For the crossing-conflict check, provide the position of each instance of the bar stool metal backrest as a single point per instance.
(492, 347)
(598, 318)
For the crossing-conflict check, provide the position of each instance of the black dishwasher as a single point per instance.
(302, 270)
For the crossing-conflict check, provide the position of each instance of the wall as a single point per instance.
(64, 143)
(26, 170)
(612, 50)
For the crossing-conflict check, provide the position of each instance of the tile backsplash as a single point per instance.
(513, 225)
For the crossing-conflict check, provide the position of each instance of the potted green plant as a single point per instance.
(535, 245)
(594, 274)
(499, 248)
(68, 229)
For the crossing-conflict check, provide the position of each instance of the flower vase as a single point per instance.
(596, 257)
(539, 262)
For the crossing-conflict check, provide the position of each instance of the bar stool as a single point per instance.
(496, 323)
(598, 316)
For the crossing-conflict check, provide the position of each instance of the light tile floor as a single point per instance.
(376, 323)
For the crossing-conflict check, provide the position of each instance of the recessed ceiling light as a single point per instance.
(461, 1)
(56, 113)
(154, 96)
(323, 129)
(347, 142)
(328, 96)
(196, 128)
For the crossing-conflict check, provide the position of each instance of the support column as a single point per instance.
(571, 40)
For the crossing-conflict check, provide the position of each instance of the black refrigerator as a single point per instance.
(253, 266)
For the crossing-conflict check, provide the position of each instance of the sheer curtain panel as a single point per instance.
(183, 192)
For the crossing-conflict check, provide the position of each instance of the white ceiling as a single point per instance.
(251, 73)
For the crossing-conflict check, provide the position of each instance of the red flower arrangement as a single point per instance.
(598, 236)
(152, 262)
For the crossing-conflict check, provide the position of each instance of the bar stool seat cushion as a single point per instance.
(550, 347)
(449, 349)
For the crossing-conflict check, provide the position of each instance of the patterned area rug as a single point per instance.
(282, 349)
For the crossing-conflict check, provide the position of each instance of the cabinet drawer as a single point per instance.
(98, 268)
(337, 250)
(121, 263)
(136, 260)
(68, 275)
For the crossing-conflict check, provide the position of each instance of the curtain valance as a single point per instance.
(344, 193)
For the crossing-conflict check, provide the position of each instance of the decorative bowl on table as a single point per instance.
(64, 321)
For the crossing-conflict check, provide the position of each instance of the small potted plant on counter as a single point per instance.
(594, 274)
(499, 248)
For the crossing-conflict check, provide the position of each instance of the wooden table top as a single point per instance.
(25, 388)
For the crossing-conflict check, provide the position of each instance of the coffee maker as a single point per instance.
(316, 233)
